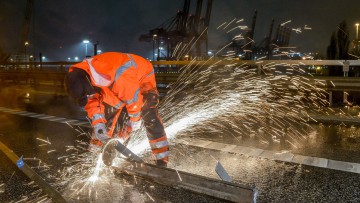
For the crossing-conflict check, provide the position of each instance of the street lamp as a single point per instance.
(25, 47)
(357, 31)
(86, 42)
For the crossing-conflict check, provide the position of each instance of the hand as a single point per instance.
(134, 125)
(100, 132)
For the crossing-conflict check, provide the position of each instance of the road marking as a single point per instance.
(248, 151)
(45, 117)
(274, 155)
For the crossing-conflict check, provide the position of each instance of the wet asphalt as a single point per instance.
(275, 181)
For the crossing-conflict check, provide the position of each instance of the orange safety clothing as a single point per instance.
(126, 81)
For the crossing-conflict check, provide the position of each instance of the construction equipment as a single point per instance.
(180, 30)
(222, 189)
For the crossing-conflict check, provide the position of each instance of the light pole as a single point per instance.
(25, 47)
(86, 42)
(357, 31)
(154, 41)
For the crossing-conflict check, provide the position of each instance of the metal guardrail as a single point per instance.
(166, 71)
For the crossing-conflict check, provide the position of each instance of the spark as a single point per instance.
(48, 142)
(307, 28)
(221, 25)
(178, 174)
(51, 151)
(289, 21)
(229, 23)
(149, 196)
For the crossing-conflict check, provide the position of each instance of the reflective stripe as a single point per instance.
(161, 155)
(135, 98)
(99, 79)
(98, 116)
(124, 67)
(160, 144)
(148, 75)
(134, 115)
(132, 60)
(117, 106)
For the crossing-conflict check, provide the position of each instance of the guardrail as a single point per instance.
(168, 71)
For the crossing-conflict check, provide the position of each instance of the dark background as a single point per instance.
(59, 27)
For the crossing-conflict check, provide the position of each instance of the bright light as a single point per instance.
(86, 41)
(26, 43)
(69, 59)
(43, 58)
(76, 58)
(99, 51)
(31, 56)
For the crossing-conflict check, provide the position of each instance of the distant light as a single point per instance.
(69, 59)
(43, 58)
(154, 35)
(209, 52)
(86, 41)
(76, 58)
(31, 56)
(186, 56)
(98, 51)
(26, 43)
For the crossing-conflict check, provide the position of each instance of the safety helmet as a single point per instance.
(78, 86)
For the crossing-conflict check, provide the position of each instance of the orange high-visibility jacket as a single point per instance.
(123, 79)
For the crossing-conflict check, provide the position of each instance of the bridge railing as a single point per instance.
(168, 71)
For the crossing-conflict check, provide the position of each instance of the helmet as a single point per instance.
(78, 86)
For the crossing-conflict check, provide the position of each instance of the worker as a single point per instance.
(121, 81)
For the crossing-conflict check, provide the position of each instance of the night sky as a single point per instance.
(60, 26)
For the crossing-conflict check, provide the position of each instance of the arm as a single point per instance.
(95, 110)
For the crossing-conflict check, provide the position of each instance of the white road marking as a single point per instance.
(248, 151)
(45, 117)
(274, 155)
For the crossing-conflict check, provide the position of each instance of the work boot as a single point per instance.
(161, 163)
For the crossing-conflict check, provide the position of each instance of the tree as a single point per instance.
(339, 43)
(343, 41)
(332, 48)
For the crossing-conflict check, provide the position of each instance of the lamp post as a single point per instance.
(86, 42)
(25, 48)
(357, 31)
(154, 41)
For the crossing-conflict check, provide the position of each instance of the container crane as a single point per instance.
(176, 33)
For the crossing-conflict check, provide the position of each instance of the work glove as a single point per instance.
(100, 132)
(134, 125)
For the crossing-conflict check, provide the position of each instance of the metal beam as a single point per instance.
(199, 184)
(30, 173)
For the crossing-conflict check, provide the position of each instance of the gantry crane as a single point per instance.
(25, 30)
(175, 38)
